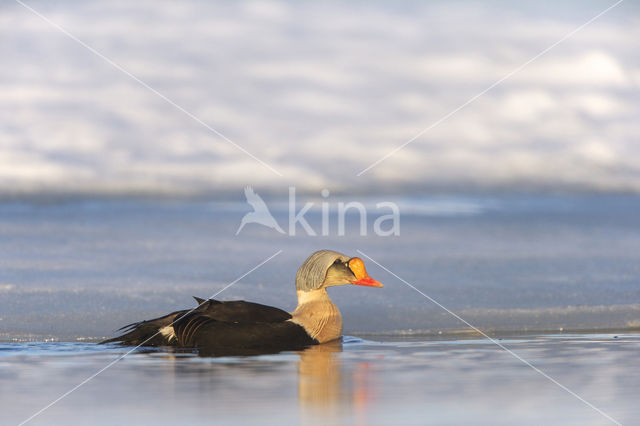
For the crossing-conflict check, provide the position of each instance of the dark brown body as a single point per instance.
(221, 328)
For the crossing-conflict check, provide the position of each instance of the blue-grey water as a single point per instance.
(81, 269)
(556, 278)
(409, 381)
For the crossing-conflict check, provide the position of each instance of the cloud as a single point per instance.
(319, 93)
(592, 68)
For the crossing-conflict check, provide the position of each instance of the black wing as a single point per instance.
(214, 337)
(146, 333)
(239, 311)
(233, 327)
(239, 327)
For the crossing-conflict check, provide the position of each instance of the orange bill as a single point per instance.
(362, 278)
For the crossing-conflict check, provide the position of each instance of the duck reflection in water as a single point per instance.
(327, 389)
(332, 387)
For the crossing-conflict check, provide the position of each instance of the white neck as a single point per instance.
(318, 315)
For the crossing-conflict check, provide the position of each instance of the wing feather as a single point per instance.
(146, 333)
(217, 338)
(232, 312)
(239, 311)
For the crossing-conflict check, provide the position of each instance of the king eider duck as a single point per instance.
(239, 327)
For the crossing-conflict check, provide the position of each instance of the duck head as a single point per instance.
(326, 268)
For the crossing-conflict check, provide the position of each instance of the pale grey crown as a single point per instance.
(313, 271)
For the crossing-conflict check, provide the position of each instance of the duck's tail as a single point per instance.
(158, 331)
(155, 332)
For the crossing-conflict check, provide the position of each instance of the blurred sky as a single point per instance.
(319, 92)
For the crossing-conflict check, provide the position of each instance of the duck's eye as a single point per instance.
(338, 261)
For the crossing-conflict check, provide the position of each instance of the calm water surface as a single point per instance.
(76, 268)
(549, 274)
(361, 382)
